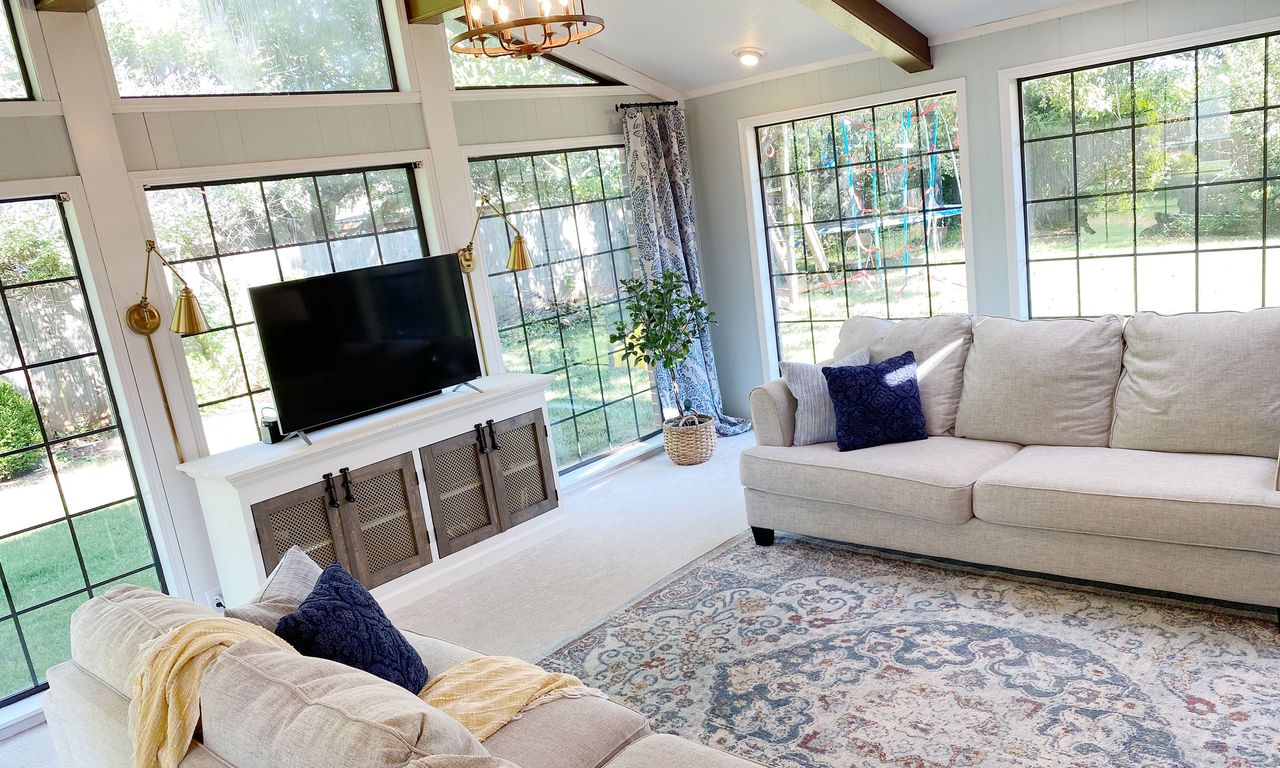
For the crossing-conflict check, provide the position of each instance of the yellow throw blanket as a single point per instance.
(166, 688)
(487, 692)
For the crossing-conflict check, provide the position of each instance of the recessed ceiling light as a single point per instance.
(749, 57)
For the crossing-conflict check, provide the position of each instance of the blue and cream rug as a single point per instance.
(819, 655)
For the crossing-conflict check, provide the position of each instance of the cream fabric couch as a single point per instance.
(1140, 453)
(262, 709)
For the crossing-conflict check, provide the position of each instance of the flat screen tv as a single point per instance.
(348, 344)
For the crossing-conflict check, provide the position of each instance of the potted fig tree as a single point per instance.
(663, 320)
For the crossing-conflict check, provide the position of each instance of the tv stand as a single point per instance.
(468, 385)
(298, 433)
(406, 499)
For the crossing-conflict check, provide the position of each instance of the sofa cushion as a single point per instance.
(815, 419)
(288, 585)
(1204, 383)
(109, 631)
(266, 708)
(568, 733)
(1213, 501)
(930, 479)
(941, 345)
(1041, 382)
(666, 751)
(438, 655)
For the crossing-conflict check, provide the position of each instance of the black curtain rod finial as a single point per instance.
(620, 107)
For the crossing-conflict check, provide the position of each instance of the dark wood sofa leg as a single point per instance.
(763, 536)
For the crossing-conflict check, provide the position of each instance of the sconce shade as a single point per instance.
(519, 261)
(187, 316)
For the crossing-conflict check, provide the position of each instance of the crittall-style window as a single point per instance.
(862, 216)
(71, 518)
(471, 72)
(227, 237)
(556, 318)
(221, 47)
(1154, 183)
(14, 82)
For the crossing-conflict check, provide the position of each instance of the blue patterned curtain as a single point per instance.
(666, 236)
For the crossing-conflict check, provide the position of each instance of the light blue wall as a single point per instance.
(723, 216)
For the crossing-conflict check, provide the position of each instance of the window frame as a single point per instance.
(1009, 92)
(20, 52)
(1196, 187)
(397, 68)
(498, 152)
(422, 183)
(757, 236)
(106, 332)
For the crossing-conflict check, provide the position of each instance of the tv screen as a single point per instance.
(342, 345)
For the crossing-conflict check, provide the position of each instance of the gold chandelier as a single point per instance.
(523, 27)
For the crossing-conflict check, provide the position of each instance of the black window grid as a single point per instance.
(642, 386)
(933, 152)
(1266, 182)
(11, 29)
(257, 395)
(9, 611)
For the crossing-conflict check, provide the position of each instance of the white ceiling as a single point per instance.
(689, 44)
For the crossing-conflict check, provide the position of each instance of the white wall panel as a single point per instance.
(199, 138)
(35, 148)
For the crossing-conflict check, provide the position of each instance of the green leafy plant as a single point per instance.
(19, 428)
(664, 318)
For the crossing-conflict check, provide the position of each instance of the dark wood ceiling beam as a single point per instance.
(430, 11)
(878, 28)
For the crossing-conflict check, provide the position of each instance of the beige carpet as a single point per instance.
(625, 533)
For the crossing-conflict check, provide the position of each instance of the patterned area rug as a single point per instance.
(817, 654)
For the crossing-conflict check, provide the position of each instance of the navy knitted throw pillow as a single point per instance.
(340, 621)
(876, 404)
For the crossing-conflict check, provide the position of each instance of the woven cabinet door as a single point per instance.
(383, 519)
(308, 518)
(458, 491)
(524, 478)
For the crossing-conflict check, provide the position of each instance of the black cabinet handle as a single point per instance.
(346, 484)
(493, 436)
(330, 490)
(484, 447)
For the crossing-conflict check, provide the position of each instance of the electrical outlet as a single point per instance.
(213, 598)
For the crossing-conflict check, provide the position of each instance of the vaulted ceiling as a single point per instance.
(689, 44)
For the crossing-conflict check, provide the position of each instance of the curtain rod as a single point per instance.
(620, 107)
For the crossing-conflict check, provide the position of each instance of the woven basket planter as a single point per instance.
(689, 440)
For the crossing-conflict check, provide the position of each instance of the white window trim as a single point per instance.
(399, 55)
(181, 392)
(1010, 128)
(31, 48)
(112, 335)
(756, 237)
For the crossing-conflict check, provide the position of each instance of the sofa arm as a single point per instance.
(773, 411)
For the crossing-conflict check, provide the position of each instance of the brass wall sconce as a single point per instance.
(144, 319)
(518, 261)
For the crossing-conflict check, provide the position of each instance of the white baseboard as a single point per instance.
(18, 717)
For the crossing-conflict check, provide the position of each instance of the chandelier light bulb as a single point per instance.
(749, 57)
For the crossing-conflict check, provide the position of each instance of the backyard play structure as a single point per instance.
(877, 181)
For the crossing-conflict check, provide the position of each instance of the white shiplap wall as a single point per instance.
(35, 148)
(530, 117)
(719, 176)
(164, 140)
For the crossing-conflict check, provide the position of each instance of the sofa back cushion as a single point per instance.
(940, 344)
(109, 631)
(1202, 383)
(1041, 382)
(266, 708)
